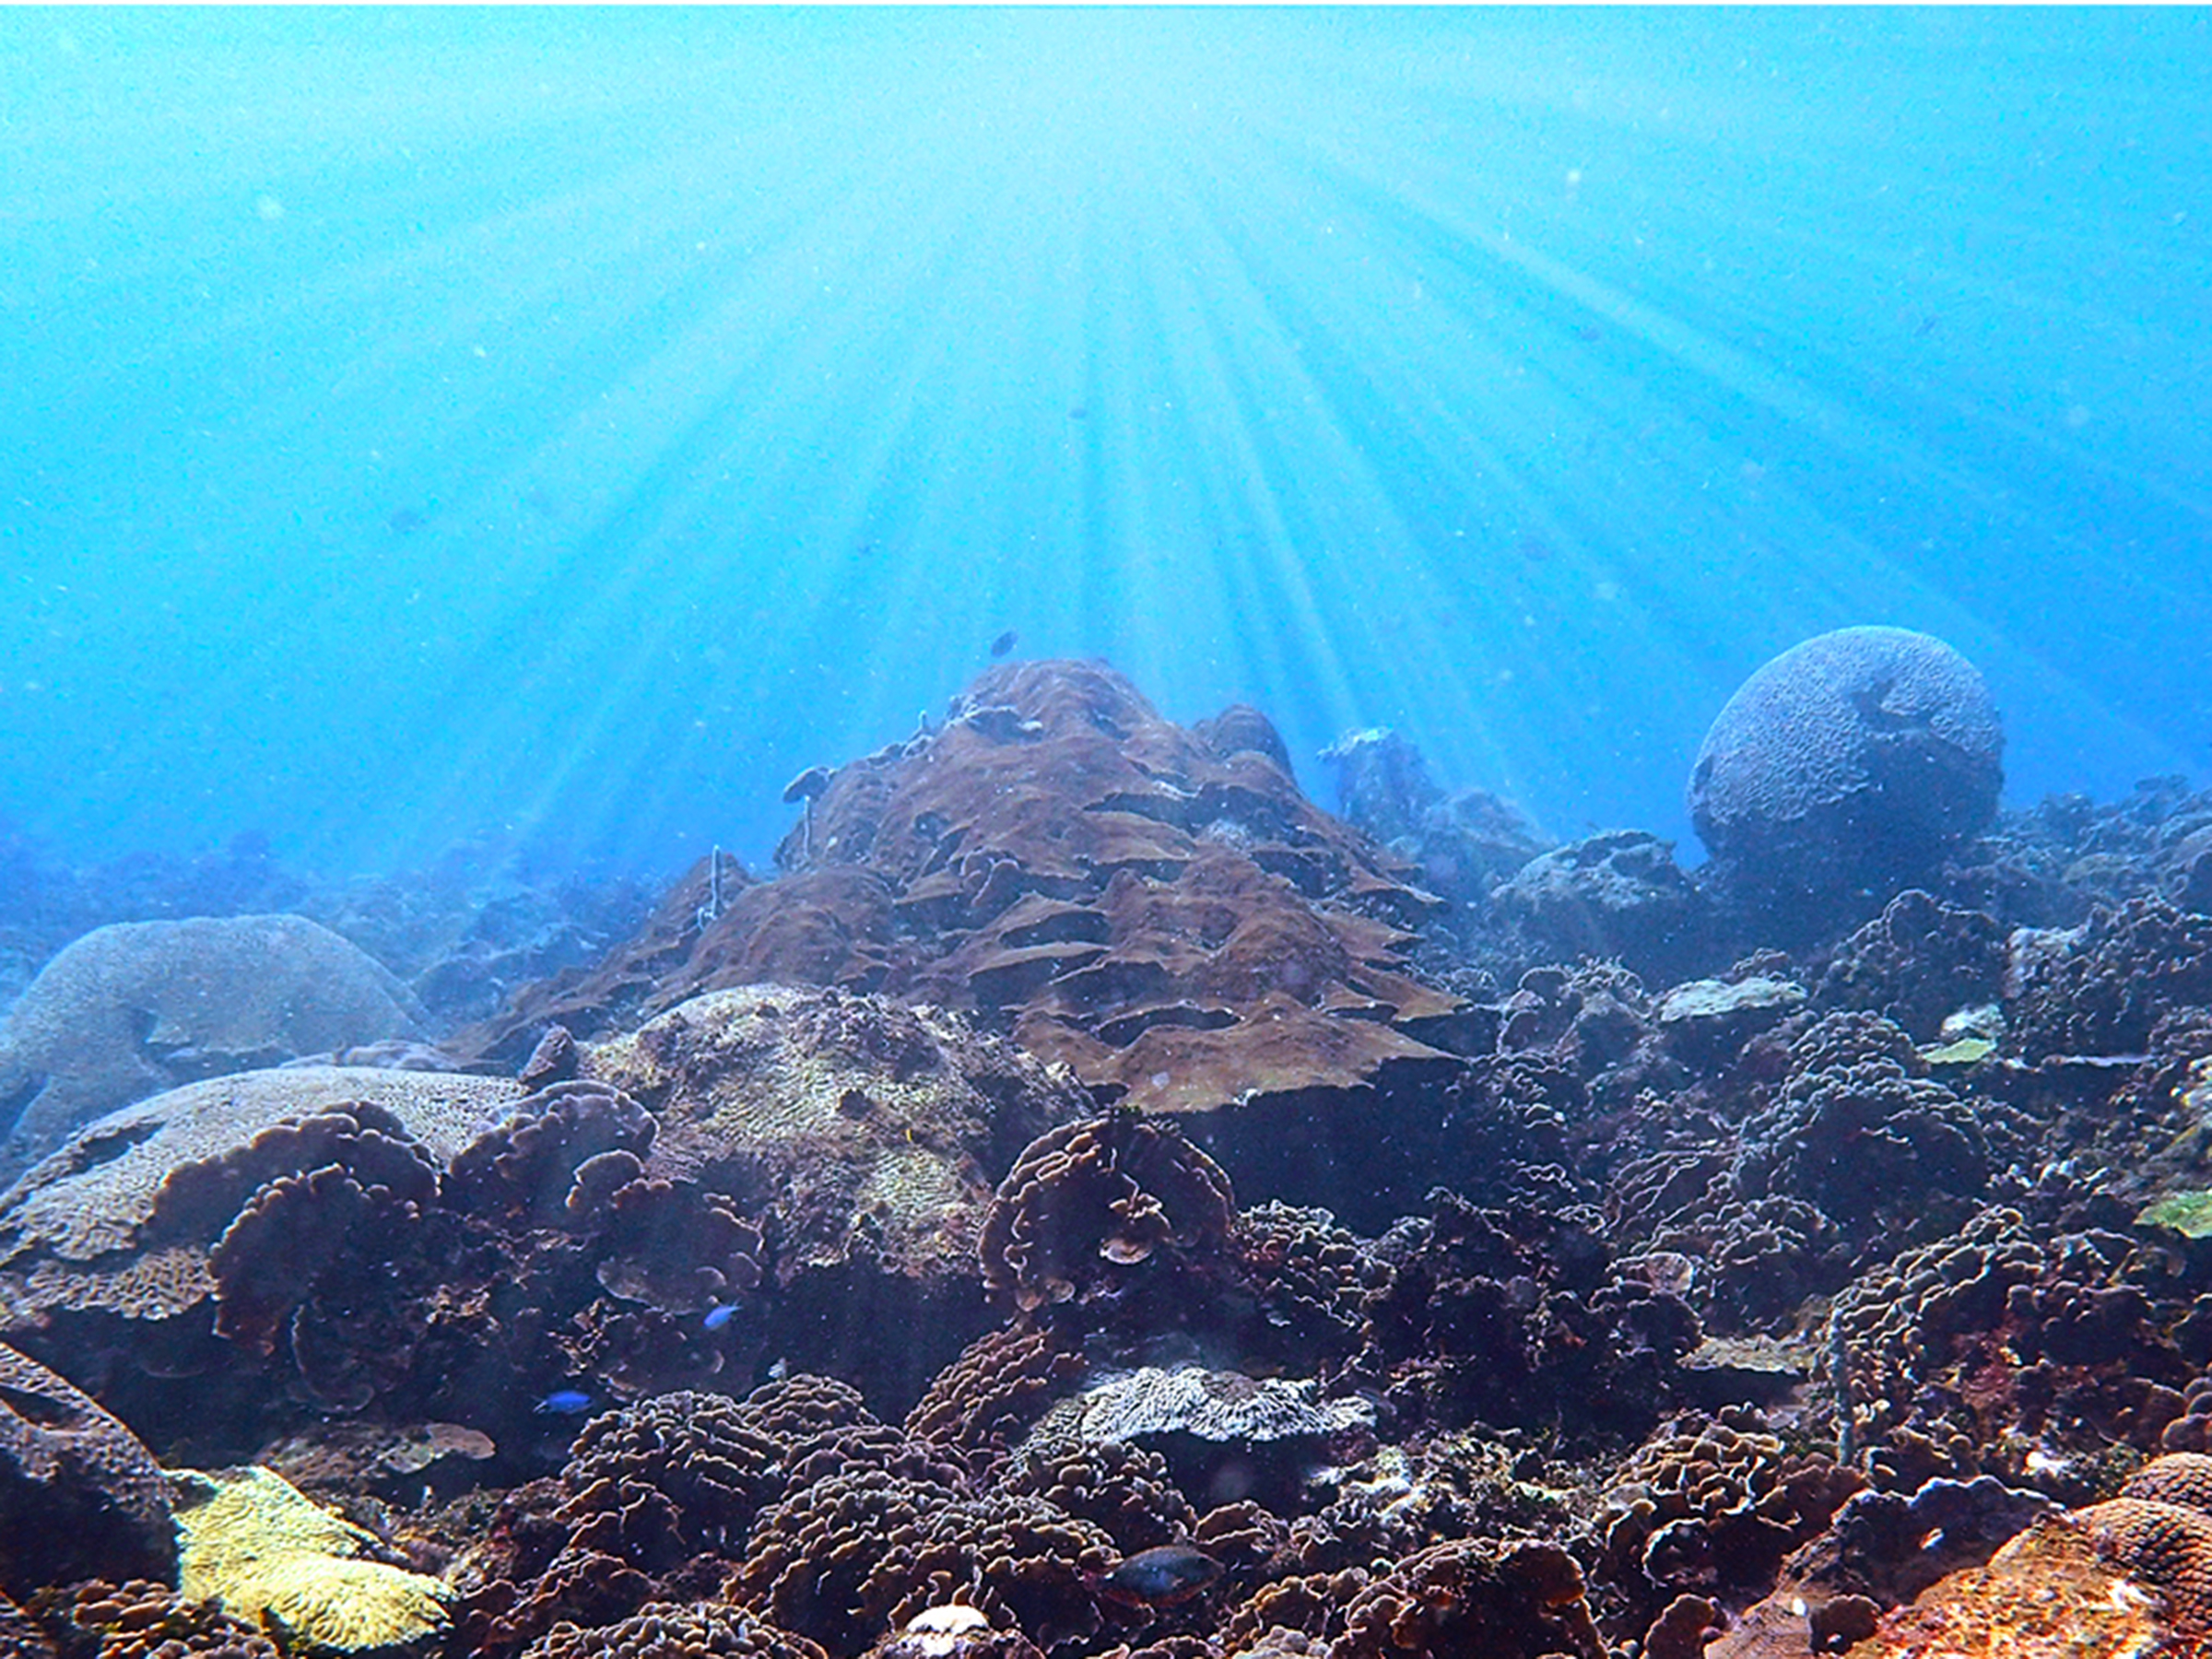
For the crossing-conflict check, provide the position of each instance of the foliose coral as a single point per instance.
(1088, 1201)
(1181, 928)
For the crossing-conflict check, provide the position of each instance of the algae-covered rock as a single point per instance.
(1963, 1051)
(2189, 1214)
(255, 1543)
(863, 1126)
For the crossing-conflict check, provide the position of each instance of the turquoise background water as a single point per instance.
(560, 428)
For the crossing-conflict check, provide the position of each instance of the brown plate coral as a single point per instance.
(1172, 921)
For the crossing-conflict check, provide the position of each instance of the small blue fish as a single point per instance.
(563, 1402)
(719, 1315)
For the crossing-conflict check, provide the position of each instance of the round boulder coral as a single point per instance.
(78, 1494)
(134, 1009)
(1854, 759)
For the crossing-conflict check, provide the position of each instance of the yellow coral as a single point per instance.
(255, 1543)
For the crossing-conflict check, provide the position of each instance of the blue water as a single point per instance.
(561, 428)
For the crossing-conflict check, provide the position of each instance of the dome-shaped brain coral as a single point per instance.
(1855, 758)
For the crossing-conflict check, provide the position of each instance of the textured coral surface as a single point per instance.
(1176, 922)
(1093, 1204)
(132, 1009)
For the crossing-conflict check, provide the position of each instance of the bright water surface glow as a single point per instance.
(564, 427)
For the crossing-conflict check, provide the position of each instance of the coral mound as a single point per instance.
(1854, 759)
(1176, 923)
(78, 1494)
(134, 1009)
(2048, 1595)
(858, 1123)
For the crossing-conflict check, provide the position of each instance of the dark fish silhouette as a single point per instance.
(1004, 643)
(407, 520)
(807, 784)
(1158, 1577)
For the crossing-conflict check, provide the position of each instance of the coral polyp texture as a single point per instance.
(1092, 1204)
(134, 1009)
(1855, 759)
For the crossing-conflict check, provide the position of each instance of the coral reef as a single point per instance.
(1978, 1568)
(414, 1239)
(1853, 760)
(1182, 929)
(1919, 964)
(856, 1554)
(1851, 1152)
(861, 1123)
(1997, 1350)
(139, 1007)
(79, 1496)
(659, 1500)
(1618, 895)
(1515, 1318)
(1464, 845)
(2099, 989)
(2050, 1591)
(849, 1263)
(1713, 1507)
(982, 1402)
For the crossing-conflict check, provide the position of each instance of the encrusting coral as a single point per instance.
(253, 1544)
